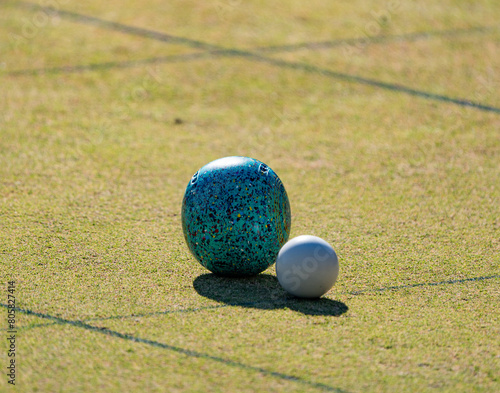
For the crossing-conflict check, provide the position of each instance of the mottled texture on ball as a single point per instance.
(236, 216)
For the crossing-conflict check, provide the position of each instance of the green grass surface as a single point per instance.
(95, 157)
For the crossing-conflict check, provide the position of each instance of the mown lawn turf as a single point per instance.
(386, 141)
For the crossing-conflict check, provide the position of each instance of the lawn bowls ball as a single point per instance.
(236, 216)
(307, 266)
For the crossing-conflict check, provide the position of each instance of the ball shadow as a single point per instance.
(263, 292)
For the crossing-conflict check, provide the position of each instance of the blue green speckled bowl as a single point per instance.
(236, 216)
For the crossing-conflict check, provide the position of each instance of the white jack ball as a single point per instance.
(307, 266)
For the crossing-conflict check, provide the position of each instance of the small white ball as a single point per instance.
(307, 266)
